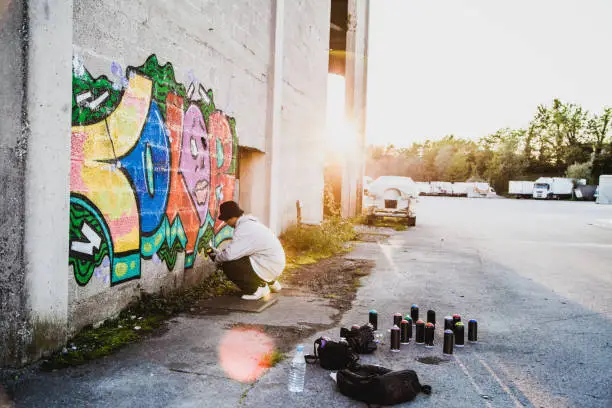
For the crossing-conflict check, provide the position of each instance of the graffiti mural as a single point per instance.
(151, 160)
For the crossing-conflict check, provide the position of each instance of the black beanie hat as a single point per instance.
(228, 210)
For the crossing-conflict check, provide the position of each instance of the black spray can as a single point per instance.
(409, 320)
(414, 313)
(456, 319)
(373, 319)
(473, 331)
(431, 317)
(395, 339)
(397, 319)
(420, 332)
(448, 342)
(459, 334)
(405, 332)
(429, 335)
(448, 323)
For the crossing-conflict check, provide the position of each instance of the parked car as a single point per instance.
(393, 196)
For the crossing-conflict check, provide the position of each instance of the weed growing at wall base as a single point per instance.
(398, 224)
(143, 318)
(306, 244)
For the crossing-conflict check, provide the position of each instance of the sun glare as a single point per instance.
(340, 133)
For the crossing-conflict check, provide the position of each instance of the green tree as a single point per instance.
(579, 171)
(599, 129)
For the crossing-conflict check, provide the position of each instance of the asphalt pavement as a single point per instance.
(536, 275)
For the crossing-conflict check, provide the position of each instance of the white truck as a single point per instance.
(441, 188)
(604, 191)
(460, 189)
(553, 188)
(424, 188)
(521, 189)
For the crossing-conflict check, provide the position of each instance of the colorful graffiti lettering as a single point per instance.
(150, 164)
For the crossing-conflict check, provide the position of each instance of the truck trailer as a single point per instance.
(521, 189)
(604, 192)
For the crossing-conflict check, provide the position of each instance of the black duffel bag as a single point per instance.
(379, 385)
(332, 355)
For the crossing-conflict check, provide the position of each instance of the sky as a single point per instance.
(471, 67)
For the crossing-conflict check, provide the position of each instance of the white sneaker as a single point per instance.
(261, 292)
(275, 287)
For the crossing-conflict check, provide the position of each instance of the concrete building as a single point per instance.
(175, 107)
(348, 57)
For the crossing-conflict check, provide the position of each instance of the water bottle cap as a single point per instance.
(300, 348)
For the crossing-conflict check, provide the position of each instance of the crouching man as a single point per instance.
(254, 258)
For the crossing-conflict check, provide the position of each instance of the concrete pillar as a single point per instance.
(14, 133)
(35, 95)
(48, 170)
(273, 142)
(356, 83)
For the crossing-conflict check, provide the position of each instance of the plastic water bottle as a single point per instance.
(298, 371)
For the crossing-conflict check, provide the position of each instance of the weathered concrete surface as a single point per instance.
(47, 172)
(533, 273)
(13, 152)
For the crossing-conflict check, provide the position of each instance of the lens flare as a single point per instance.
(244, 354)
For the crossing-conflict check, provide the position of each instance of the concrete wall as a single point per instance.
(226, 49)
(13, 153)
(34, 135)
(121, 188)
(306, 59)
(153, 153)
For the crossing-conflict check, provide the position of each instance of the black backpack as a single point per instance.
(360, 339)
(332, 355)
(379, 385)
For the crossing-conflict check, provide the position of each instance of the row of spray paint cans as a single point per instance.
(401, 332)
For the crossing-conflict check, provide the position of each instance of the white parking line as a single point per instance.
(469, 376)
(504, 387)
(567, 244)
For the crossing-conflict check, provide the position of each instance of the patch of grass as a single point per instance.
(398, 224)
(305, 244)
(273, 358)
(360, 272)
(138, 320)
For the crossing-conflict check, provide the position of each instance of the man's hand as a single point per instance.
(210, 251)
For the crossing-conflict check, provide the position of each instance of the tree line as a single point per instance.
(562, 139)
